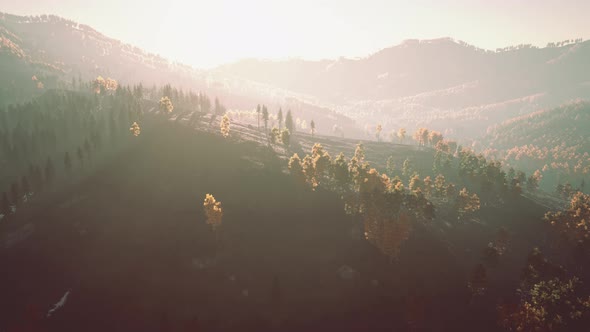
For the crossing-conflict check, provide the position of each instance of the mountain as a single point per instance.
(55, 50)
(424, 81)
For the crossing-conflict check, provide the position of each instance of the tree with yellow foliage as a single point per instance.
(213, 211)
(166, 104)
(378, 132)
(135, 129)
(224, 126)
(466, 203)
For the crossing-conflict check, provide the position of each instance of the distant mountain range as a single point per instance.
(444, 84)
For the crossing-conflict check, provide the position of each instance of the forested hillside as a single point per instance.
(555, 141)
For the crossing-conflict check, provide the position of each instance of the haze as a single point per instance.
(210, 33)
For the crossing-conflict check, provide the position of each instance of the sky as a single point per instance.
(205, 34)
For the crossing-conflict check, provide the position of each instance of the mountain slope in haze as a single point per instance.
(61, 46)
(418, 67)
(554, 141)
(422, 82)
(55, 50)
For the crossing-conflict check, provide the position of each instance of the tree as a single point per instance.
(416, 184)
(340, 172)
(224, 126)
(5, 206)
(258, 115)
(166, 105)
(440, 185)
(67, 162)
(219, 109)
(549, 305)
(15, 193)
(80, 154)
(466, 203)
(296, 169)
(265, 118)
(49, 170)
(312, 126)
(135, 129)
(26, 187)
(321, 160)
(478, 282)
(280, 118)
(289, 122)
(534, 180)
(286, 137)
(407, 169)
(213, 211)
(378, 130)
(401, 134)
(390, 166)
(275, 135)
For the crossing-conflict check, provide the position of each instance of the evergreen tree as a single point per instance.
(80, 154)
(5, 206)
(280, 118)
(258, 115)
(407, 169)
(26, 187)
(390, 166)
(265, 118)
(286, 137)
(312, 126)
(15, 194)
(289, 122)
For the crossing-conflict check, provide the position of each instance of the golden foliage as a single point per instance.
(547, 306)
(213, 211)
(166, 104)
(108, 84)
(135, 129)
(224, 126)
(573, 222)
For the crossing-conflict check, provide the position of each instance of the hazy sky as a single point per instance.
(208, 33)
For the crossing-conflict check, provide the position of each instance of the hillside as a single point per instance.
(141, 257)
(554, 141)
(39, 53)
(450, 84)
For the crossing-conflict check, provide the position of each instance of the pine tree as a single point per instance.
(286, 137)
(265, 118)
(80, 154)
(407, 169)
(26, 187)
(258, 115)
(390, 166)
(5, 206)
(312, 126)
(15, 194)
(289, 122)
(280, 118)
